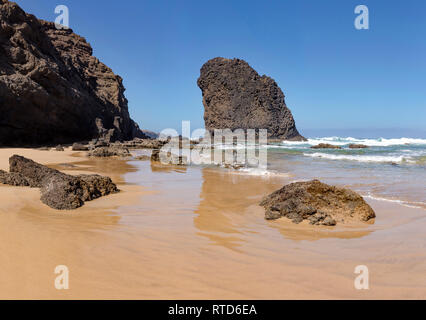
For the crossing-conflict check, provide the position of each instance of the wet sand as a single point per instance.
(196, 233)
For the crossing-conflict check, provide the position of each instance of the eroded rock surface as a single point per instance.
(325, 146)
(52, 89)
(235, 96)
(317, 202)
(58, 190)
(111, 151)
(358, 146)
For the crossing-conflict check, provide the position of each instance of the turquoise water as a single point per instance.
(390, 169)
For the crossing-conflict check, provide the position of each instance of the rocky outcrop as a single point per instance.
(235, 96)
(325, 146)
(145, 143)
(111, 151)
(52, 89)
(58, 190)
(357, 146)
(318, 203)
(14, 179)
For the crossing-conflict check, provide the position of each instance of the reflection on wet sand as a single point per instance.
(114, 168)
(229, 209)
(228, 205)
(159, 167)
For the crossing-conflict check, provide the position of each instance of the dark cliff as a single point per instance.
(52, 90)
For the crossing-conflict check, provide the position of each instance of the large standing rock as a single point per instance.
(318, 203)
(58, 190)
(235, 96)
(52, 90)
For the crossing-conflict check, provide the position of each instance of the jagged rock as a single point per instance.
(235, 96)
(325, 146)
(357, 146)
(70, 192)
(145, 143)
(52, 89)
(34, 172)
(13, 179)
(79, 147)
(58, 190)
(59, 148)
(317, 203)
(111, 151)
(151, 134)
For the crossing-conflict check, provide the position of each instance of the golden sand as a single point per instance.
(191, 233)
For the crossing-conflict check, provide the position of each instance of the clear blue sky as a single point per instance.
(334, 76)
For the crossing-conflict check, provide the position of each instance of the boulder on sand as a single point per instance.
(318, 203)
(13, 179)
(58, 190)
(111, 151)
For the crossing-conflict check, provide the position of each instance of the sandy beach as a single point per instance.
(196, 233)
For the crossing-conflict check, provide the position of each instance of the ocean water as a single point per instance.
(390, 169)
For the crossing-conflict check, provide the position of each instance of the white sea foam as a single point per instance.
(418, 205)
(263, 172)
(360, 158)
(380, 142)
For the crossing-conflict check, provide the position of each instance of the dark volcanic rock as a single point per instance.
(14, 179)
(70, 192)
(58, 190)
(325, 146)
(52, 90)
(34, 172)
(79, 147)
(357, 146)
(235, 96)
(318, 203)
(145, 143)
(111, 151)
